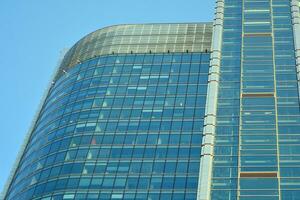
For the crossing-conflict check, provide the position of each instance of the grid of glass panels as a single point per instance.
(257, 136)
(125, 126)
(141, 38)
(258, 149)
(225, 163)
(287, 101)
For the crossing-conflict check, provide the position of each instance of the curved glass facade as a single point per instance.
(140, 38)
(173, 111)
(119, 127)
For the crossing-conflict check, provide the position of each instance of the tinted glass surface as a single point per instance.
(119, 127)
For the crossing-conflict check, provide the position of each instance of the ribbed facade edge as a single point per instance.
(207, 152)
(296, 29)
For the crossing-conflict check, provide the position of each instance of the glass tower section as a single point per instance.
(121, 125)
(173, 111)
(257, 129)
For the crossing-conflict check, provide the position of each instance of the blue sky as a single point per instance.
(34, 32)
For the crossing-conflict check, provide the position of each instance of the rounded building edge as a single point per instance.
(88, 47)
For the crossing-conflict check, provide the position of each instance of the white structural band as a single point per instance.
(206, 161)
(296, 29)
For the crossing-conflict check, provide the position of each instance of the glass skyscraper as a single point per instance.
(172, 111)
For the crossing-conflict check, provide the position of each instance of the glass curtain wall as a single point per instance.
(256, 148)
(119, 127)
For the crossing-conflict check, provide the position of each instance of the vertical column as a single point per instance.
(258, 145)
(204, 183)
(296, 29)
(287, 57)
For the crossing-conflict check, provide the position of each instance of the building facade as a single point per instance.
(253, 127)
(123, 117)
(173, 111)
